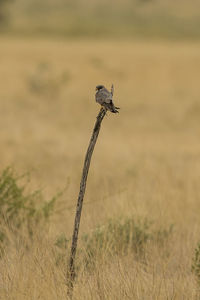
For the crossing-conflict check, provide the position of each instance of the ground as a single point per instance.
(146, 162)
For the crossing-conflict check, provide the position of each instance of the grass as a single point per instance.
(137, 18)
(196, 264)
(146, 164)
(20, 212)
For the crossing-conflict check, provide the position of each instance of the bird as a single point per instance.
(105, 98)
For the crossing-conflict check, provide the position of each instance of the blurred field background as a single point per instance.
(148, 18)
(146, 165)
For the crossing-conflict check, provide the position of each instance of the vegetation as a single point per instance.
(136, 18)
(20, 213)
(196, 264)
(44, 82)
(144, 173)
(145, 170)
(3, 11)
(122, 236)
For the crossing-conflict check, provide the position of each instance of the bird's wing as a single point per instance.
(99, 98)
(106, 95)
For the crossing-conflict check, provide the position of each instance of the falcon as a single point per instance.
(104, 98)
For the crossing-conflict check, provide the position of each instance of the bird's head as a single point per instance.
(99, 87)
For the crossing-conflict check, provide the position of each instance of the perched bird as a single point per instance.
(104, 98)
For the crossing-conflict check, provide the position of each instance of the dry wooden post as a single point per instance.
(86, 166)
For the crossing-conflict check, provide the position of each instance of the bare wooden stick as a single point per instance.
(86, 166)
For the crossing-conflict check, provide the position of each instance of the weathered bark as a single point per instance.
(71, 274)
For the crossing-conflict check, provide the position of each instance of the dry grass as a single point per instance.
(146, 162)
(132, 18)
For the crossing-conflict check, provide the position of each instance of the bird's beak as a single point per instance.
(96, 89)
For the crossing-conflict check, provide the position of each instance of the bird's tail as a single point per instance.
(115, 109)
(110, 106)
